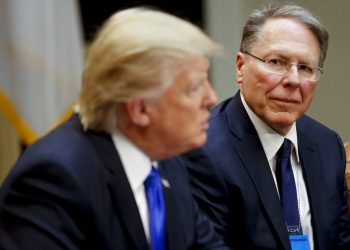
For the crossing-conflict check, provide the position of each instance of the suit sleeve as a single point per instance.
(209, 190)
(206, 236)
(40, 210)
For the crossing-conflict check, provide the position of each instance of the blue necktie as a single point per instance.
(156, 208)
(287, 189)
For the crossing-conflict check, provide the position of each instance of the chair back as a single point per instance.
(347, 170)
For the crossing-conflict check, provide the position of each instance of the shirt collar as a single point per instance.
(137, 164)
(270, 139)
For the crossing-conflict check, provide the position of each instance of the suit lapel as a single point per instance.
(119, 187)
(260, 173)
(254, 159)
(175, 232)
(314, 182)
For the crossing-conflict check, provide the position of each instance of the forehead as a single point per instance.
(194, 67)
(188, 72)
(288, 36)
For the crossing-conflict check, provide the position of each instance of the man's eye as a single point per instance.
(193, 89)
(276, 62)
(305, 68)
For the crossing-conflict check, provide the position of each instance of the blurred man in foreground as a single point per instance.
(94, 183)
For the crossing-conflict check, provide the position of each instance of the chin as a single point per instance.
(200, 142)
(284, 120)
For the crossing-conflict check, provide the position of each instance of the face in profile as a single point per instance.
(279, 99)
(180, 116)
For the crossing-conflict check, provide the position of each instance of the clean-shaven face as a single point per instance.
(180, 116)
(279, 100)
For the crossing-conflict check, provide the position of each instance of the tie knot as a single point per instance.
(152, 178)
(285, 149)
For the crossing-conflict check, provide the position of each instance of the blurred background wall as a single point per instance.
(223, 20)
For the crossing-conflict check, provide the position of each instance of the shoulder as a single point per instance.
(220, 108)
(65, 155)
(316, 131)
(315, 135)
(174, 168)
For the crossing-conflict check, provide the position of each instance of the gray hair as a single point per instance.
(259, 17)
(136, 54)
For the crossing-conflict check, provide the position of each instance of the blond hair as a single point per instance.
(135, 55)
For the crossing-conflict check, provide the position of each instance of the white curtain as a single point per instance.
(41, 60)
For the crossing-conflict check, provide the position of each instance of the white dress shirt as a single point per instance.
(137, 166)
(271, 142)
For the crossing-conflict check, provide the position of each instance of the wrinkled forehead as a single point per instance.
(285, 27)
(289, 36)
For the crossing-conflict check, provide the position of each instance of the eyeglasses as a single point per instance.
(282, 67)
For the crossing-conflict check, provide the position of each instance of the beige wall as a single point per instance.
(331, 104)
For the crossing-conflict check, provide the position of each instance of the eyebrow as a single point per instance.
(284, 57)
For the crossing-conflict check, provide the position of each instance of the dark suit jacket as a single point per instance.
(233, 184)
(69, 191)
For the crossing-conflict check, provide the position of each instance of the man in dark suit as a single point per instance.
(145, 97)
(237, 176)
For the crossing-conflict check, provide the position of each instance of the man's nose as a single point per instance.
(293, 74)
(211, 96)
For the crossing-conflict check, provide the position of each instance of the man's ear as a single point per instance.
(240, 60)
(137, 111)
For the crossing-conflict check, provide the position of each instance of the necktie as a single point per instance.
(287, 189)
(156, 208)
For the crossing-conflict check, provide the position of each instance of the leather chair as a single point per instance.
(347, 171)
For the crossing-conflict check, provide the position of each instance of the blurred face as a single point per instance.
(279, 100)
(179, 118)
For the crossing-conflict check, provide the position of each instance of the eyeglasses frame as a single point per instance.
(290, 66)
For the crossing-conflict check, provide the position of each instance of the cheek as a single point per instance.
(308, 91)
(310, 87)
(260, 81)
(269, 82)
(182, 117)
(189, 118)
(257, 88)
(189, 121)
